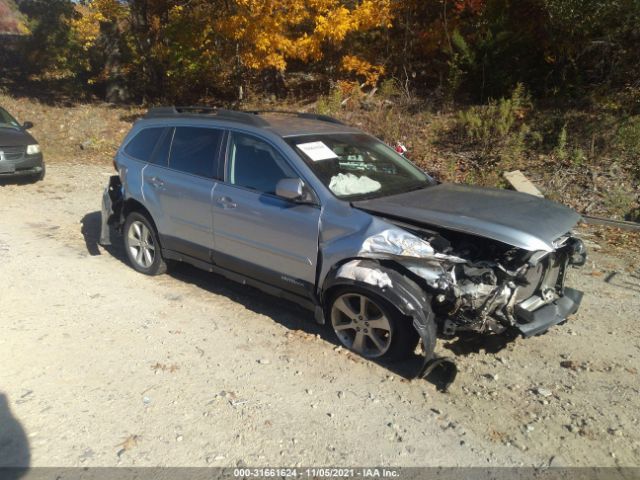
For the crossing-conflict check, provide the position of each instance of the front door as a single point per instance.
(256, 233)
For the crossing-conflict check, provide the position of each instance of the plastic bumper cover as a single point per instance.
(540, 320)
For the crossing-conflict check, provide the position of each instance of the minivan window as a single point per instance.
(196, 150)
(255, 164)
(6, 120)
(142, 145)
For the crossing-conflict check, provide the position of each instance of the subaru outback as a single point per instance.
(307, 208)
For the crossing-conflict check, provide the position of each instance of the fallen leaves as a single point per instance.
(128, 443)
(161, 367)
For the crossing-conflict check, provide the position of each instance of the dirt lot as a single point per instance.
(102, 366)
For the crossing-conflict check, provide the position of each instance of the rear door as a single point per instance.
(256, 233)
(181, 189)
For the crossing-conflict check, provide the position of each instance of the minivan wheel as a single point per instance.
(371, 326)
(142, 246)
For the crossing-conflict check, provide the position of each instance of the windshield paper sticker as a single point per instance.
(317, 151)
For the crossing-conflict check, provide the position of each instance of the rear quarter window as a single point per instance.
(142, 145)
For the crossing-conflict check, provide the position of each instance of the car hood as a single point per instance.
(514, 218)
(10, 137)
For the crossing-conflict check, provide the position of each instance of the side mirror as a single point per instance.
(27, 125)
(290, 188)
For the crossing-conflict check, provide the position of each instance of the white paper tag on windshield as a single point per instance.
(317, 151)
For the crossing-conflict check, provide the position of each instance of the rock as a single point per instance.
(340, 394)
(264, 361)
(179, 438)
(570, 364)
(543, 392)
(86, 144)
(555, 462)
(520, 446)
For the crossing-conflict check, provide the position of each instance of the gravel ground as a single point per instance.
(102, 366)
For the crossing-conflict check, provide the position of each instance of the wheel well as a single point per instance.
(132, 205)
(326, 294)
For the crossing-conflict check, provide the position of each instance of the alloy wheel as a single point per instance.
(361, 325)
(141, 244)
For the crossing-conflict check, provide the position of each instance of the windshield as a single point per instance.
(358, 166)
(7, 120)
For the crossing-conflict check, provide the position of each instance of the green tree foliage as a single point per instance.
(464, 49)
(49, 45)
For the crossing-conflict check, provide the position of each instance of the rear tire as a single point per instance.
(370, 325)
(142, 245)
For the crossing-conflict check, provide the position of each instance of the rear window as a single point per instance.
(196, 151)
(142, 145)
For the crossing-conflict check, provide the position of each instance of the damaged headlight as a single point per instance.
(414, 253)
(396, 242)
(399, 243)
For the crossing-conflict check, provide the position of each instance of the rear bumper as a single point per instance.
(111, 209)
(540, 320)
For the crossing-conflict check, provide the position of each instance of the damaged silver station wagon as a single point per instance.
(320, 213)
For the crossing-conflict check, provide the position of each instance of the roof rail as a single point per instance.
(249, 118)
(311, 116)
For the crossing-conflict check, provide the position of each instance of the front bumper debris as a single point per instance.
(439, 371)
(540, 320)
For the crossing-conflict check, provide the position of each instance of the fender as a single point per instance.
(412, 301)
(401, 291)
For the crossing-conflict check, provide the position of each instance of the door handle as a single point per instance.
(156, 182)
(226, 202)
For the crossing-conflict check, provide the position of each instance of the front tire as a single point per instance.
(371, 326)
(142, 245)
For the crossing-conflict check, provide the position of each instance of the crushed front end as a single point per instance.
(519, 289)
(481, 285)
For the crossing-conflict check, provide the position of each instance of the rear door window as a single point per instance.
(141, 147)
(196, 150)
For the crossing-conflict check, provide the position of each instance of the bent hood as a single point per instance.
(514, 218)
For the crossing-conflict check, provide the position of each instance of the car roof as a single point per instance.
(282, 123)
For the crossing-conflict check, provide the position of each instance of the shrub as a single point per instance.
(498, 129)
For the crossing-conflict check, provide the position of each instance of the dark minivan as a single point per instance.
(20, 153)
